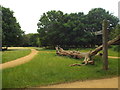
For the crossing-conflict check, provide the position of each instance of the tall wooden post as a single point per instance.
(105, 46)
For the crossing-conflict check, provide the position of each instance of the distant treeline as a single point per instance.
(58, 28)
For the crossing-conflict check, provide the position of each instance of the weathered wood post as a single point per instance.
(105, 46)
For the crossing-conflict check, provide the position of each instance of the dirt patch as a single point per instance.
(101, 83)
(19, 61)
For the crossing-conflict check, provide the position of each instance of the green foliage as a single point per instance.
(97, 15)
(74, 29)
(47, 68)
(0, 26)
(11, 30)
(95, 18)
(31, 39)
(115, 32)
(116, 48)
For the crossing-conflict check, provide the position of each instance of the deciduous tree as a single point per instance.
(11, 30)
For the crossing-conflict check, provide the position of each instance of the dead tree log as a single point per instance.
(87, 56)
(115, 40)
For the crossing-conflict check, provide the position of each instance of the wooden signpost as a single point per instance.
(105, 46)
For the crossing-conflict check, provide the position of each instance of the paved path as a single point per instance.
(100, 83)
(19, 61)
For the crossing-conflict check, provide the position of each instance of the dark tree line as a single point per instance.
(31, 40)
(74, 29)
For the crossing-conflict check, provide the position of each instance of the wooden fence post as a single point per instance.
(105, 46)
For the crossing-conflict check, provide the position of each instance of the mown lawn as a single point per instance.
(48, 68)
(0, 56)
(113, 53)
(13, 54)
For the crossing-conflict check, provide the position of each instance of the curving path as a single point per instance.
(27, 58)
(100, 83)
(19, 61)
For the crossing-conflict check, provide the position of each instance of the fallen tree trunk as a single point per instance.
(94, 52)
(87, 56)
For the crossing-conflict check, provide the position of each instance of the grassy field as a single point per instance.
(13, 54)
(48, 68)
(0, 57)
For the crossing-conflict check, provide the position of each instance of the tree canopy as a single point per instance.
(115, 32)
(0, 27)
(31, 39)
(74, 29)
(11, 30)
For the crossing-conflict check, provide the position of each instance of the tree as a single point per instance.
(115, 32)
(74, 29)
(31, 39)
(11, 30)
(50, 26)
(0, 27)
(34, 40)
(94, 20)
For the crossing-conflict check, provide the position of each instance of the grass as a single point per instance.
(113, 53)
(13, 54)
(43, 49)
(0, 57)
(47, 68)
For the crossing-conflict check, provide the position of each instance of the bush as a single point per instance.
(116, 48)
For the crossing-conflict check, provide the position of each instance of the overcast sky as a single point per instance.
(28, 12)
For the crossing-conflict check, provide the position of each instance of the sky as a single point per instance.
(28, 12)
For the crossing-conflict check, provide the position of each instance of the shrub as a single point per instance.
(116, 48)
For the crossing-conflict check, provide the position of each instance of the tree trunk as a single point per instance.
(87, 56)
(94, 52)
